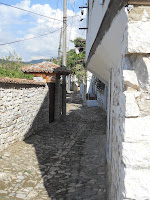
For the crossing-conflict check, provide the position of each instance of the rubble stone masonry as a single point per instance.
(23, 110)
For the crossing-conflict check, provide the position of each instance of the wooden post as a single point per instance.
(51, 101)
(64, 97)
(57, 115)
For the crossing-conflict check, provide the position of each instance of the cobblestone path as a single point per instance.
(65, 161)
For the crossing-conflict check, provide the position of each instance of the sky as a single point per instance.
(17, 25)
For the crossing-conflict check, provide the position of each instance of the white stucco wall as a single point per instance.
(94, 20)
(102, 98)
(109, 53)
(89, 82)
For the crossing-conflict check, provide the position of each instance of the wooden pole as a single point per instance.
(51, 101)
(59, 49)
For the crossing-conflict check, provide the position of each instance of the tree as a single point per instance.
(12, 61)
(76, 62)
(10, 67)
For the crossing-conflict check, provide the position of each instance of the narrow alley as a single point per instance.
(66, 160)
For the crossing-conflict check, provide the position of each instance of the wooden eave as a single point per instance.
(139, 2)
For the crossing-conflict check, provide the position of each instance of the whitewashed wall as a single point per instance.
(94, 20)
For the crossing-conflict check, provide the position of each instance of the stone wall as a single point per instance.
(136, 141)
(23, 109)
(128, 135)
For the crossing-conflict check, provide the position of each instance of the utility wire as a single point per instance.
(38, 13)
(30, 11)
(30, 38)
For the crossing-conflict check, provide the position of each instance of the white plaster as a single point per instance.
(109, 53)
(89, 82)
(94, 20)
(92, 103)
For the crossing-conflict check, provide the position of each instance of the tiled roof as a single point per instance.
(44, 67)
(20, 81)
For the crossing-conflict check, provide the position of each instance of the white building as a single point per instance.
(118, 53)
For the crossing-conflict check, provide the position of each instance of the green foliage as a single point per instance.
(54, 60)
(73, 58)
(80, 72)
(10, 67)
(75, 62)
(79, 42)
(14, 73)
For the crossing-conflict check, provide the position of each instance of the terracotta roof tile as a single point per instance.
(44, 67)
(20, 81)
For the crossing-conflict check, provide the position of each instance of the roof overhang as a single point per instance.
(113, 8)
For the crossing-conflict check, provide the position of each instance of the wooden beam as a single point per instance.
(84, 7)
(82, 28)
(51, 101)
(139, 2)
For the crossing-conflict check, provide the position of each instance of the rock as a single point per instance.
(136, 42)
(132, 109)
(32, 194)
(136, 155)
(21, 195)
(3, 176)
(130, 79)
(3, 192)
(142, 70)
(20, 177)
(137, 183)
(137, 129)
(144, 104)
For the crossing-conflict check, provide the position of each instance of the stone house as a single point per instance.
(118, 53)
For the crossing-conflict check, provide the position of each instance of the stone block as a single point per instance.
(130, 79)
(144, 104)
(137, 129)
(137, 184)
(136, 155)
(137, 42)
(139, 13)
(132, 109)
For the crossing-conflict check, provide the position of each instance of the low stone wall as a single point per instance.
(23, 109)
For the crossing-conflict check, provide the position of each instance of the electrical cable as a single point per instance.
(30, 11)
(29, 38)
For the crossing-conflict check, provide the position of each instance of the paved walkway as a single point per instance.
(65, 161)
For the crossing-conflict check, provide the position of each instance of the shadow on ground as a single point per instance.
(71, 154)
